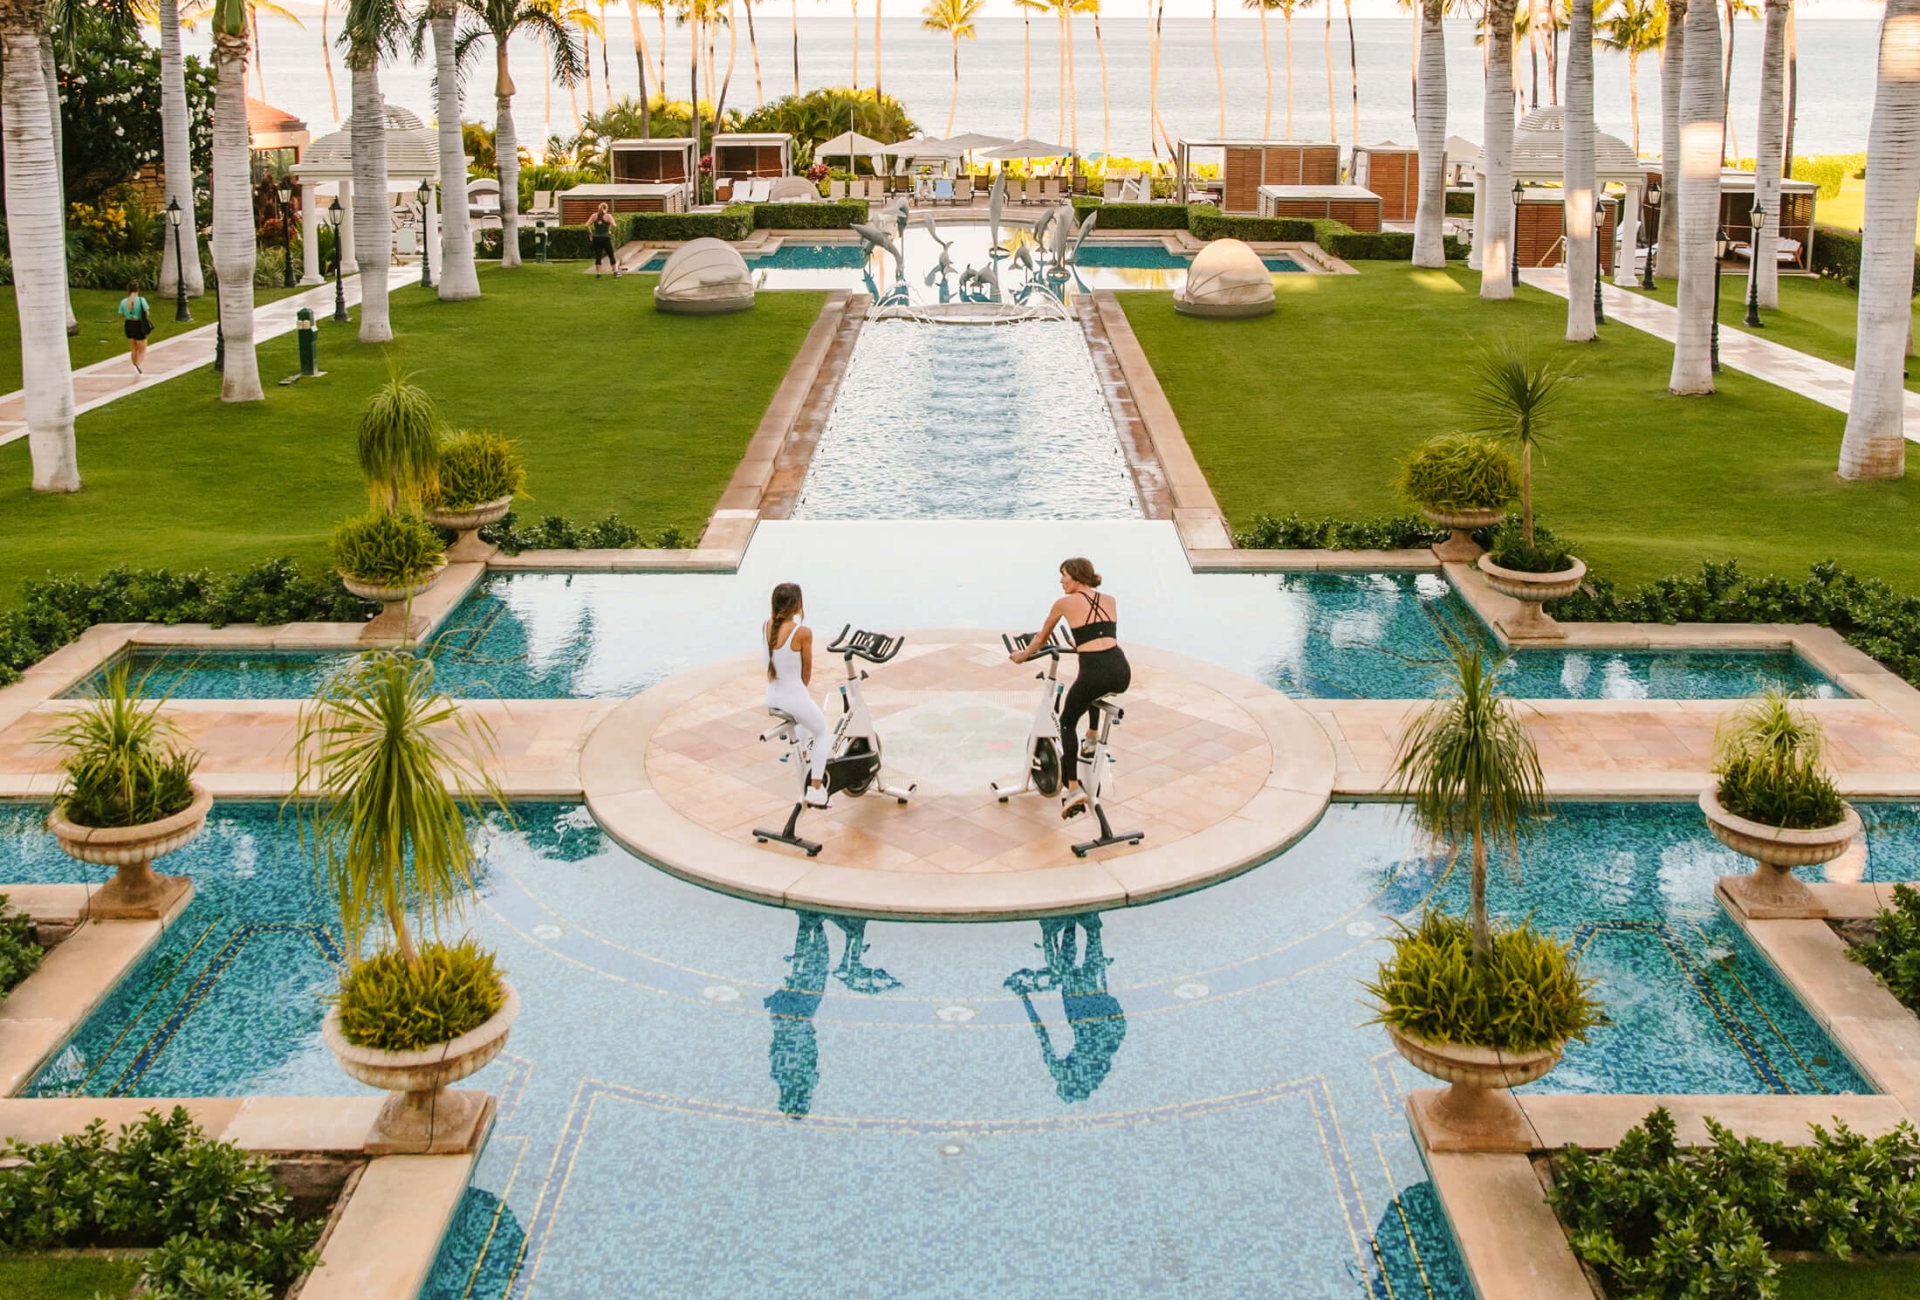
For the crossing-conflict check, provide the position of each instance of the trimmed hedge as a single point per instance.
(574, 243)
(809, 216)
(1374, 246)
(1836, 256)
(1131, 216)
(1459, 203)
(1208, 222)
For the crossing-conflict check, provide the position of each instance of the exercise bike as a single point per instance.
(1042, 774)
(853, 763)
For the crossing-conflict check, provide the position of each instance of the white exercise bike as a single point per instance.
(1042, 774)
(854, 762)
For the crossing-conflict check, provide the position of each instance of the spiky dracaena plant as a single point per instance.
(398, 441)
(375, 754)
(1469, 772)
(1515, 395)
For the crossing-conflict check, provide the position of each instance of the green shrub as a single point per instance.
(809, 216)
(119, 758)
(222, 1227)
(1659, 1222)
(388, 550)
(1457, 472)
(1208, 222)
(1508, 546)
(575, 243)
(1375, 246)
(1528, 995)
(1459, 203)
(1131, 216)
(1826, 171)
(20, 952)
(1894, 954)
(1768, 759)
(558, 533)
(478, 467)
(1836, 256)
(1294, 533)
(390, 1005)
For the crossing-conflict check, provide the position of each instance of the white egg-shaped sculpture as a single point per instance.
(1227, 280)
(704, 277)
(794, 189)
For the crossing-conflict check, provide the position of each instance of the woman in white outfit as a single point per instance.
(789, 672)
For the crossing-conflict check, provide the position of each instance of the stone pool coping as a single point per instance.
(621, 795)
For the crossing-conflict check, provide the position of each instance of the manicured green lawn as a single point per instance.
(1881, 1279)
(67, 1279)
(1816, 317)
(1309, 409)
(618, 408)
(101, 334)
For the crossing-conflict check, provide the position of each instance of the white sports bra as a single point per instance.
(785, 659)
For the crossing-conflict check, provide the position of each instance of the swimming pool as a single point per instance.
(1179, 1098)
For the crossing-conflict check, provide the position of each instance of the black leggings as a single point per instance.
(1102, 672)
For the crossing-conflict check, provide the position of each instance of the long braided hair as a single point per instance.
(786, 603)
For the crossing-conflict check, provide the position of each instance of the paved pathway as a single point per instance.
(104, 381)
(1750, 354)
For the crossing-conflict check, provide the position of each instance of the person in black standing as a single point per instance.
(600, 231)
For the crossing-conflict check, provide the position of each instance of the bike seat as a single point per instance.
(782, 714)
(1105, 705)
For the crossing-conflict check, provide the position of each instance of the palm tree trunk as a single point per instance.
(753, 44)
(1633, 95)
(1106, 100)
(259, 66)
(877, 92)
(1219, 77)
(1578, 179)
(506, 153)
(233, 236)
(1727, 133)
(856, 46)
(1875, 445)
(458, 278)
(1770, 152)
(1672, 63)
(50, 83)
(1333, 107)
(1026, 63)
(953, 104)
(372, 226)
(1266, 57)
(1286, 34)
(1533, 53)
(1073, 87)
(1353, 72)
(640, 60)
(1496, 279)
(36, 242)
(796, 48)
(1700, 120)
(176, 158)
(1793, 89)
(326, 58)
(1429, 224)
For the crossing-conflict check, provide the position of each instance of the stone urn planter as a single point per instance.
(1477, 1112)
(136, 892)
(423, 1116)
(394, 623)
(1461, 548)
(1530, 589)
(468, 548)
(1771, 889)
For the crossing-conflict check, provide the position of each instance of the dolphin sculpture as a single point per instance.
(1086, 228)
(1062, 233)
(996, 202)
(942, 268)
(1023, 257)
(877, 238)
(926, 221)
(900, 215)
(992, 277)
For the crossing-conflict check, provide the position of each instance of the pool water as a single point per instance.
(1180, 1099)
(969, 422)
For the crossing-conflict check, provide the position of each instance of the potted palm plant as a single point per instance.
(390, 554)
(1461, 482)
(376, 752)
(1515, 396)
(480, 473)
(1775, 803)
(127, 797)
(1483, 1007)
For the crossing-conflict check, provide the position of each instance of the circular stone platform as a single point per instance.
(1220, 771)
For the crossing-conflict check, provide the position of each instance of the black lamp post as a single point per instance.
(1753, 268)
(339, 259)
(180, 312)
(286, 228)
(1653, 201)
(1720, 242)
(426, 236)
(1599, 223)
(1519, 192)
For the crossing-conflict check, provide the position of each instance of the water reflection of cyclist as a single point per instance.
(1094, 1016)
(794, 1054)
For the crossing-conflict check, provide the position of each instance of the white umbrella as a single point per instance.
(925, 147)
(973, 140)
(847, 143)
(1029, 148)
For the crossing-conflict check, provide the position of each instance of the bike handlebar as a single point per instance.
(1059, 644)
(874, 647)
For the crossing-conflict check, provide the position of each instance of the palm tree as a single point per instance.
(1333, 105)
(856, 43)
(176, 156)
(1632, 27)
(1875, 445)
(640, 60)
(233, 233)
(1353, 71)
(1770, 153)
(498, 20)
(876, 49)
(1028, 8)
(1700, 118)
(794, 19)
(1106, 102)
(1497, 154)
(1430, 125)
(753, 44)
(1219, 77)
(1578, 180)
(37, 244)
(1266, 57)
(1515, 395)
(1729, 139)
(1469, 771)
(326, 59)
(458, 279)
(1672, 61)
(1287, 9)
(956, 19)
(371, 31)
(253, 21)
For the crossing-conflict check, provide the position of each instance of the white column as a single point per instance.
(309, 234)
(1629, 237)
(1479, 219)
(349, 265)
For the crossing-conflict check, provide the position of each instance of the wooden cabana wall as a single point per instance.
(1543, 222)
(1246, 167)
(744, 157)
(1359, 208)
(1393, 172)
(649, 162)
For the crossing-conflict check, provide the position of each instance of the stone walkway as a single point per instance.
(105, 381)
(1750, 354)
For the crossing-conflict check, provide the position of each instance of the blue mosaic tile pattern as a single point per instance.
(706, 1097)
(1339, 635)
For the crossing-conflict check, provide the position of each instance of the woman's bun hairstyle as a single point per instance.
(1081, 571)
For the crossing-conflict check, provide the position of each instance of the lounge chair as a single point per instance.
(963, 190)
(1786, 252)
(1049, 188)
(942, 190)
(1112, 190)
(836, 190)
(543, 204)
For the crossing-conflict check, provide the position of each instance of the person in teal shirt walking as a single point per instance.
(139, 323)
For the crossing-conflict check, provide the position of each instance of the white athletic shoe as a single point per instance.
(817, 796)
(1074, 804)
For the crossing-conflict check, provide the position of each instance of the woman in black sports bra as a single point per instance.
(1094, 621)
